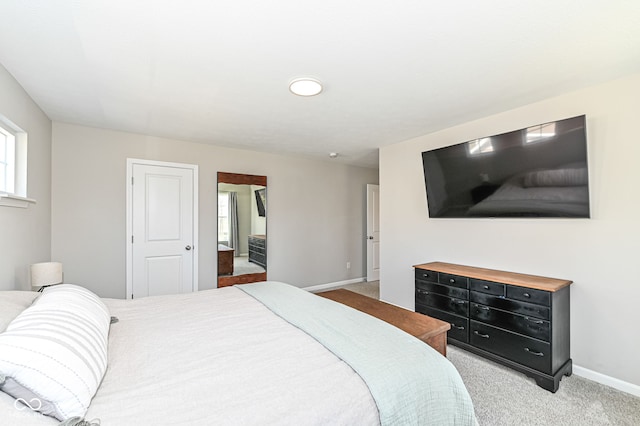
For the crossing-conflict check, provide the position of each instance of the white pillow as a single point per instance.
(12, 303)
(54, 354)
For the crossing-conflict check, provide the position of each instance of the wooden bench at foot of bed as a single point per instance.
(430, 330)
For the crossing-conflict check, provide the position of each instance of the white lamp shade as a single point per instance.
(46, 273)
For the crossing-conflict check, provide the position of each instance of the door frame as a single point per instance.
(129, 213)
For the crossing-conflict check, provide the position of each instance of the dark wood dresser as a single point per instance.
(258, 250)
(518, 320)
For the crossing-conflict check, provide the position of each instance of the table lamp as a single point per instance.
(45, 274)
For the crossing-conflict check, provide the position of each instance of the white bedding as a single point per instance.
(12, 303)
(222, 357)
(515, 198)
(231, 361)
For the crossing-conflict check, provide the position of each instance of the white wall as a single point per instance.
(316, 209)
(25, 234)
(601, 254)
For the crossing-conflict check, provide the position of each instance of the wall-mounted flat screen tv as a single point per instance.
(539, 171)
(261, 201)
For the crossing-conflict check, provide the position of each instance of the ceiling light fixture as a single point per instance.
(333, 154)
(305, 87)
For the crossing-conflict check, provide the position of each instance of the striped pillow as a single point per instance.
(54, 354)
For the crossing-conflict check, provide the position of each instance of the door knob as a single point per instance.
(187, 248)
(370, 237)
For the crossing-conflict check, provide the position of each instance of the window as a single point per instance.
(480, 146)
(223, 217)
(7, 161)
(540, 133)
(13, 165)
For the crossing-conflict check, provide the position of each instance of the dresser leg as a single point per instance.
(569, 369)
(553, 383)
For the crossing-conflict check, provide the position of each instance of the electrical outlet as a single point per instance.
(348, 265)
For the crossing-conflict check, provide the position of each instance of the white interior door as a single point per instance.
(162, 235)
(373, 232)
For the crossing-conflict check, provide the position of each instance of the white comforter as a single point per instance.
(230, 361)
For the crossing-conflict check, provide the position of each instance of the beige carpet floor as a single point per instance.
(503, 397)
(371, 288)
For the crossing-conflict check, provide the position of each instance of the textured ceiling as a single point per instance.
(218, 71)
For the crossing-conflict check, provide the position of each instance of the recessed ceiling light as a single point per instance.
(305, 87)
(333, 154)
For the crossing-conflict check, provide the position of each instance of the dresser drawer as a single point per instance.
(255, 249)
(529, 295)
(444, 303)
(488, 287)
(453, 280)
(523, 350)
(258, 258)
(257, 241)
(424, 275)
(527, 309)
(445, 290)
(532, 327)
(459, 325)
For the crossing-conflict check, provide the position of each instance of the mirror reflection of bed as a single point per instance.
(242, 233)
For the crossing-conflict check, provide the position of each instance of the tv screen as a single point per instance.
(539, 171)
(261, 201)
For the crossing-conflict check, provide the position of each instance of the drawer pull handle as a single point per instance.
(459, 302)
(461, 327)
(484, 308)
(422, 291)
(452, 281)
(484, 336)
(534, 352)
(534, 321)
(486, 287)
(526, 294)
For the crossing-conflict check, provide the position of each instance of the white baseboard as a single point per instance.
(607, 380)
(316, 288)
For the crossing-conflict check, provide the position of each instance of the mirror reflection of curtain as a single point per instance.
(234, 239)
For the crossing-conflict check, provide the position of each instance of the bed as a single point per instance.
(263, 353)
